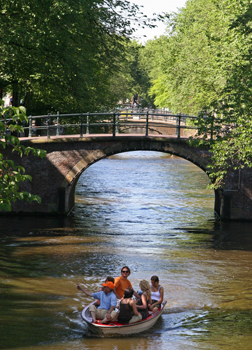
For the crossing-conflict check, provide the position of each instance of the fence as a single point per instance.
(113, 123)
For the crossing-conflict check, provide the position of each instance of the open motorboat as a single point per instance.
(116, 328)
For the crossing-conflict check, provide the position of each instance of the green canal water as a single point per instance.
(152, 212)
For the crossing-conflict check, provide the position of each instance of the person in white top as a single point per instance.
(157, 294)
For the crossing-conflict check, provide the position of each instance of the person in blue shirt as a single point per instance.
(107, 300)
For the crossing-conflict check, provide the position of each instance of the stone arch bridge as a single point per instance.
(55, 177)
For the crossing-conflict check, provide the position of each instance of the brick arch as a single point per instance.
(180, 149)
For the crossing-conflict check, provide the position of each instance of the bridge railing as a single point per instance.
(112, 123)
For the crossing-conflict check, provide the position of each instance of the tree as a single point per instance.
(203, 67)
(131, 77)
(61, 55)
(153, 59)
(10, 174)
(189, 74)
(228, 118)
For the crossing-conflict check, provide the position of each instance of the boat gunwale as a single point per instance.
(120, 326)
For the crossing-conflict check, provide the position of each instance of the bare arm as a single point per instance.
(149, 302)
(87, 292)
(134, 308)
(108, 315)
(144, 302)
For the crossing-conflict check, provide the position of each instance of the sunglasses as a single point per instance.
(125, 271)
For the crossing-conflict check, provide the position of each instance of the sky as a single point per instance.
(156, 6)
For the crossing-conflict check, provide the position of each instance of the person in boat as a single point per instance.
(108, 279)
(157, 294)
(107, 300)
(122, 282)
(144, 302)
(127, 309)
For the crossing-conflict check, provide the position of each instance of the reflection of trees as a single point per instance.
(31, 318)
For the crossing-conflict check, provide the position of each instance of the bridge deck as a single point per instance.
(92, 136)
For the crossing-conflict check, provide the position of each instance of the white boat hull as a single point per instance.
(118, 329)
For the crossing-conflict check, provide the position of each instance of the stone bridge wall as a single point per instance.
(55, 177)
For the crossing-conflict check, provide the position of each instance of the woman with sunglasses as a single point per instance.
(122, 282)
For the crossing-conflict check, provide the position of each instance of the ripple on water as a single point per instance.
(152, 212)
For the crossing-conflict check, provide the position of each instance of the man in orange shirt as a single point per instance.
(122, 282)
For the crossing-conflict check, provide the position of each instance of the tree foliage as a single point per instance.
(131, 76)
(230, 114)
(204, 67)
(60, 55)
(189, 74)
(11, 174)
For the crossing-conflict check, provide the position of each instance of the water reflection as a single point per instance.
(147, 210)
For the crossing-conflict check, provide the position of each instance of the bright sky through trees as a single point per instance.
(157, 6)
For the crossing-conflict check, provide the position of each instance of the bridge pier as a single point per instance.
(234, 200)
(55, 177)
(66, 199)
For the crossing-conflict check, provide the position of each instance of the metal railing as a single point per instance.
(112, 123)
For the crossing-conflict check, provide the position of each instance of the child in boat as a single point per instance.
(144, 302)
(157, 294)
(127, 308)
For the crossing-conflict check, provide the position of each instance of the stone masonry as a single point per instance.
(55, 177)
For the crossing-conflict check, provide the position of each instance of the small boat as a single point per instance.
(116, 328)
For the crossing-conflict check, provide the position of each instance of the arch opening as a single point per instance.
(129, 177)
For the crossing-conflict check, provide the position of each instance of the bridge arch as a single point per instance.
(180, 149)
(55, 177)
(120, 145)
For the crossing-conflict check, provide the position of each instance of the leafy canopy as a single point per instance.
(203, 67)
(61, 55)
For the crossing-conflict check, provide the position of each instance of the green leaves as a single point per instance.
(204, 68)
(188, 62)
(60, 56)
(11, 175)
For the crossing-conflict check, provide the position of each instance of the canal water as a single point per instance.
(152, 212)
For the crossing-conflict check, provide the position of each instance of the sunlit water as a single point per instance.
(147, 210)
